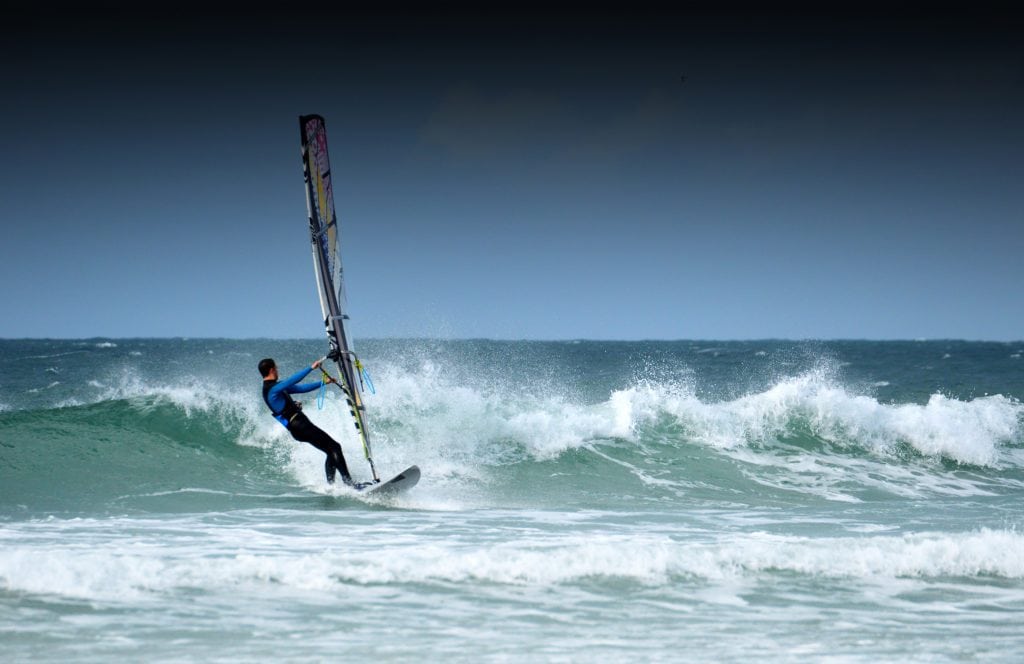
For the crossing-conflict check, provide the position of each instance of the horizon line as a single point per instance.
(526, 339)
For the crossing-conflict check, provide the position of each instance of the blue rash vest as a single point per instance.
(276, 395)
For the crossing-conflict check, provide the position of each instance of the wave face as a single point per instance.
(138, 425)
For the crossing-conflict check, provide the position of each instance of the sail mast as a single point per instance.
(323, 230)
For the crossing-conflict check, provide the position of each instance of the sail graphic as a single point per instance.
(330, 282)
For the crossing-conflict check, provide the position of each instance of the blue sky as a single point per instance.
(517, 174)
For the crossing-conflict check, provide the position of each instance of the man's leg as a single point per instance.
(304, 430)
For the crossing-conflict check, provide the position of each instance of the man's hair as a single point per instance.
(266, 364)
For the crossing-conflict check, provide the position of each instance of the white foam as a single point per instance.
(44, 357)
(966, 431)
(37, 390)
(439, 414)
(237, 558)
(192, 395)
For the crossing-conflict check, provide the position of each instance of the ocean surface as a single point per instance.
(580, 501)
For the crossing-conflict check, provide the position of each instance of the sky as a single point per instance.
(517, 171)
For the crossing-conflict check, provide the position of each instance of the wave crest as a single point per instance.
(969, 432)
(108, 571)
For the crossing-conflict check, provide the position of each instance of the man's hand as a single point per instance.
(316, 365)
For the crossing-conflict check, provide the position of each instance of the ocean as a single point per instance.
(658, 501)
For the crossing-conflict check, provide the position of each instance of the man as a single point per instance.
(277, 396)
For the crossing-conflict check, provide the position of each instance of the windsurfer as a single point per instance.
(277, 396)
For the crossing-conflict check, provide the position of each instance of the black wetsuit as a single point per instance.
(290, 414)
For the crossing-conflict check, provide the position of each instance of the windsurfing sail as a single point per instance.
(330, 282)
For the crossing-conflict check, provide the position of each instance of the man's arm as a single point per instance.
(290, 383)
(305, 387)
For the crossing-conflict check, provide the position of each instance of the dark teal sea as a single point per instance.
(654, 501)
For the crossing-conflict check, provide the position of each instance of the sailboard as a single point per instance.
(330, 283)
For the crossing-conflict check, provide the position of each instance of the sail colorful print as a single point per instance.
(323, 202)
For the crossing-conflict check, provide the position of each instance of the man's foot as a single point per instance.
(358, 486)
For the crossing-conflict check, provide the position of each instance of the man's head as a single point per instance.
(267, 367)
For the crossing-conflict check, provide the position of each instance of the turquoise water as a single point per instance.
(845, 501)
